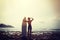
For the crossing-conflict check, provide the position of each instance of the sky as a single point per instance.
(45, 13)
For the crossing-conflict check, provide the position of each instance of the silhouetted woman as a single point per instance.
(24, 27)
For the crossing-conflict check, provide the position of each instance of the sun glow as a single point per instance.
(41, 10)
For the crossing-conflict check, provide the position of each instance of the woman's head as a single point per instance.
(24, 19)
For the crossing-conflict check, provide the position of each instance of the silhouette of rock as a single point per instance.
(55, 29)
(4, 25)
